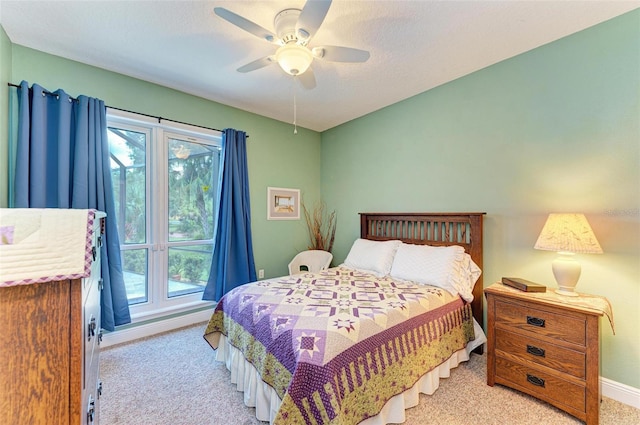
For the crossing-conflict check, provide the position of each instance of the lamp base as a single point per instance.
(566, 293)
(566, 270)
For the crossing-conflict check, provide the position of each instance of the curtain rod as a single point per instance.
(133, 112)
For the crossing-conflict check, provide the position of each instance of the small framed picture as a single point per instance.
(283, 204)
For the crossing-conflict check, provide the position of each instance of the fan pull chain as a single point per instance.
(295, 108)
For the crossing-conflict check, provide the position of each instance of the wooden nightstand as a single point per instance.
(547, 346)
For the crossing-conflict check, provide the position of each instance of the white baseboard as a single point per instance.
(620, 392)
(611, 389)
(148, 329)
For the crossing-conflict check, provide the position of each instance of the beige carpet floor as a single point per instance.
(173, 379)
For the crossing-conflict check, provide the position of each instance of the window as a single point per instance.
(165, 184)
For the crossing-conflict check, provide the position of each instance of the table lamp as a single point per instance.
(567, 234)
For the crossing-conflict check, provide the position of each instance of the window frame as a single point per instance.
(159, 304)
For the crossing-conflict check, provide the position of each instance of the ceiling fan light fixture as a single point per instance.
(294, 59)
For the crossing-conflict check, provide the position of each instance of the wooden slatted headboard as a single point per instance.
(438, 229)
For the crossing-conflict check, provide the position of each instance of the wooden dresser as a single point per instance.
(545, 348)
(49, 346)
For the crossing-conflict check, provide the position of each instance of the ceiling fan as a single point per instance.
(294, 28)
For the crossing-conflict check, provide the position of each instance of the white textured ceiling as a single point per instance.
(414, 45)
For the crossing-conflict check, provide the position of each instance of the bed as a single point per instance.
(358, 343)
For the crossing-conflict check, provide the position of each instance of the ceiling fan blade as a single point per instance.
(311, 17)
(340, 54)
(246, 25)
(257, 64)
(307, 79)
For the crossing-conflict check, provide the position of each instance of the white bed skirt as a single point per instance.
(266, 401)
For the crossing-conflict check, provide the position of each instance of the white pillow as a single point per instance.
(372, 256)
(447, 267)
(467, 277)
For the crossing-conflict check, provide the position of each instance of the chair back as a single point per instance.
(313, 260)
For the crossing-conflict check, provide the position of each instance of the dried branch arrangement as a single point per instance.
(321, 226)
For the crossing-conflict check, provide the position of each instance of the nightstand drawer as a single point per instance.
(531, 349)
(541, 385)
(527, 318)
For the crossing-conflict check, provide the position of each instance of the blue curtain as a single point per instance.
(232, 264)
(62, 161)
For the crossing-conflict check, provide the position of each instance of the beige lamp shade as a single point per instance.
(568, 233)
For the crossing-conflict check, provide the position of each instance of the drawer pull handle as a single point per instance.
(91, 410)
(91, 328)
(532, 349)
(539, 382)
(534, 321)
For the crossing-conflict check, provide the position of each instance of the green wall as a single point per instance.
(5, 77)
(276, 157)
(553, 130)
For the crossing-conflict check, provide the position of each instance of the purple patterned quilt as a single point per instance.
(338, 344)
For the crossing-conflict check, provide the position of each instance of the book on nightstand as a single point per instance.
(523, 285)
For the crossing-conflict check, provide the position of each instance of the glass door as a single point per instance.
(129, 153)
(192, 183)
(165, 184)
